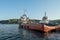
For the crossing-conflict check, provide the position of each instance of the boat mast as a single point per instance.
(45, 14)
(24, 11)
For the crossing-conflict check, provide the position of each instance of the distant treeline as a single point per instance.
(10, 21)
(55, 21)
(15, 21)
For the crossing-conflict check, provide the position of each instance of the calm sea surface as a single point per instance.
(13, 32)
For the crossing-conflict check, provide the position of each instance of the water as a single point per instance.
(13, 32)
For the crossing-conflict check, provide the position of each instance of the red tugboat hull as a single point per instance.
(58, 28)
(39, 27)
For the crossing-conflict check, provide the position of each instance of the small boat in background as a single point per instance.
(44, 25)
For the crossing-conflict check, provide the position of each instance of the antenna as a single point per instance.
(45, 14)
(24, 11)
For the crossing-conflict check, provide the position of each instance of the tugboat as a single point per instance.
(43, 25)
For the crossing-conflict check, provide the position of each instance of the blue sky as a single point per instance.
(35, 9)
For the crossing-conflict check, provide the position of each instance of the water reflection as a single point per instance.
(33, 34)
